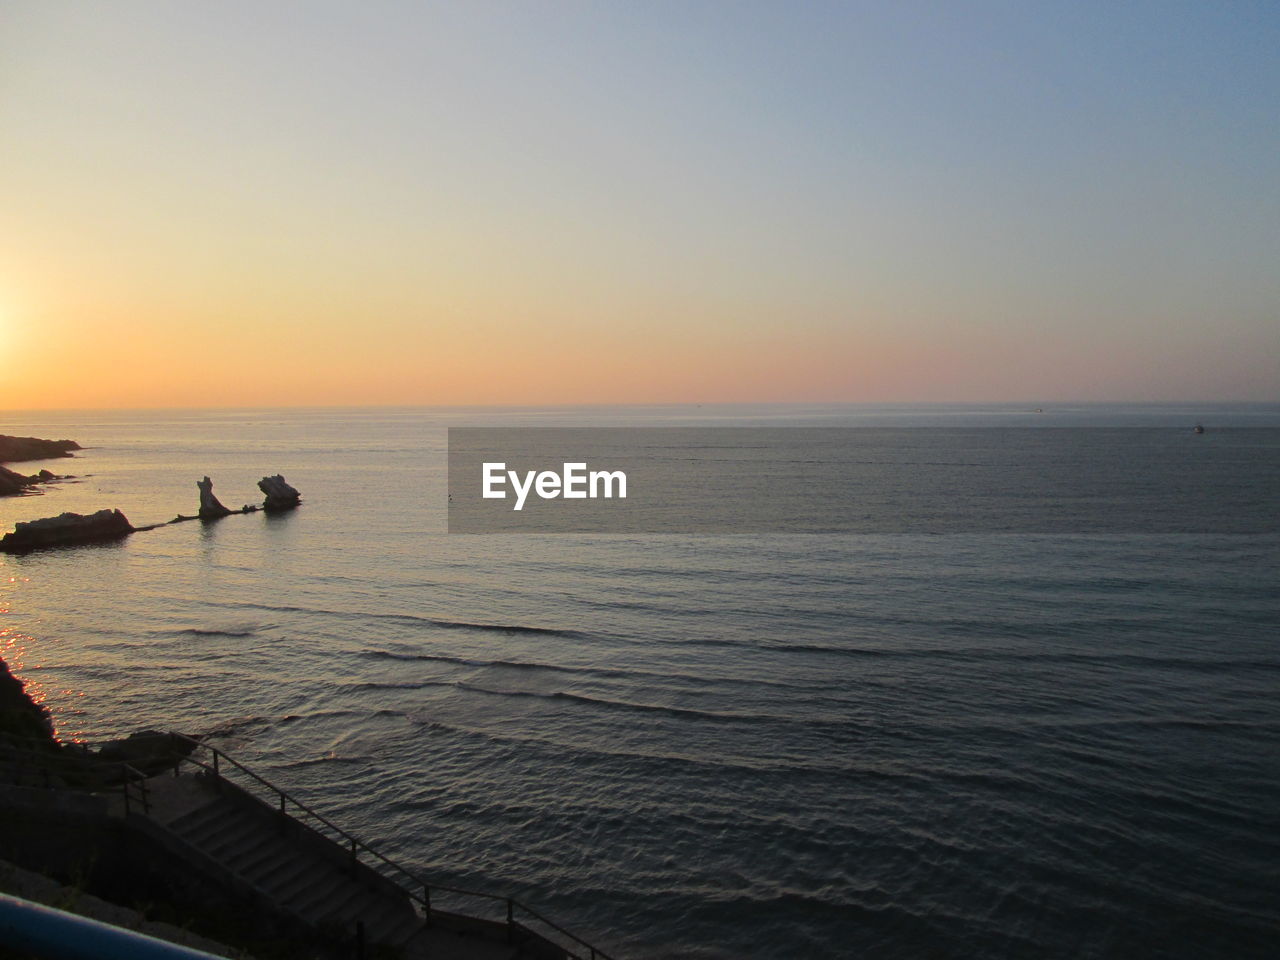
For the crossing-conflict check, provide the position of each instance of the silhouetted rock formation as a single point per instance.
(210, 507)
(280, 496)
(32, 448)
(11, 483)
(23, 722)
(65, 530)
(149, 751)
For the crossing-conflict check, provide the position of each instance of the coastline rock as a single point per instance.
(149, 751)
(211, 507)
(23, 722)
(65, 530)
(280, 495)
(33, 448)
(12, 483)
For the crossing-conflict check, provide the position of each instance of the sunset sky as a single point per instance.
(575, 202)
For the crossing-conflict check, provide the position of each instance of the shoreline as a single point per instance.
(25, 450)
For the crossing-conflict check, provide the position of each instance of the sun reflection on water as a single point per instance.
(15, 648)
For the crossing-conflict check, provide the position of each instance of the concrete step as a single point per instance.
(236, 835)
(237, 851)
(283, 868)
(392, 926)
(353, 904)
(209, 827)
(252, 860)
(436, 944)
(390, 919)
(301, 880)
(387, 919)
(204, 822)
(316, 888)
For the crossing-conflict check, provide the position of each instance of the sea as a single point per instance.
(758, 746)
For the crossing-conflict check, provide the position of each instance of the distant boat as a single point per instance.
(1197, 429)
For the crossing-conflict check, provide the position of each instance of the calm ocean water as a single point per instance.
(755, 747)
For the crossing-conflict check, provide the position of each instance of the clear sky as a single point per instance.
(314, 202)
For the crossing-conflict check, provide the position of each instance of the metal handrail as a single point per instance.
(141, 779)
(355, 844)
(129, 774)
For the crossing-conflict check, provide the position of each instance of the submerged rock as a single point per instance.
(67, 529)
(210, 507)
(280, 496)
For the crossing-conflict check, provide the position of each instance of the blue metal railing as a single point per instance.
(47, 932)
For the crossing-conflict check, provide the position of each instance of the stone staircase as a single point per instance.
(308, 877)
(317, 891)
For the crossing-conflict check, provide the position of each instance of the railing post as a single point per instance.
(301, 827)
(359, 940)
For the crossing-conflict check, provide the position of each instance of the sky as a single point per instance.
(315, 203)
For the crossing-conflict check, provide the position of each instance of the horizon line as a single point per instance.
(1033, 405)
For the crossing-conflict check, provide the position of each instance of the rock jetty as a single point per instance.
(65, 530)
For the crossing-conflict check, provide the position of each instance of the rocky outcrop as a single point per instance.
(280, 496)
(12, 483)
(23, 722)
(211, 507)
(149, 751)
(65, 530)
(13, 449)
